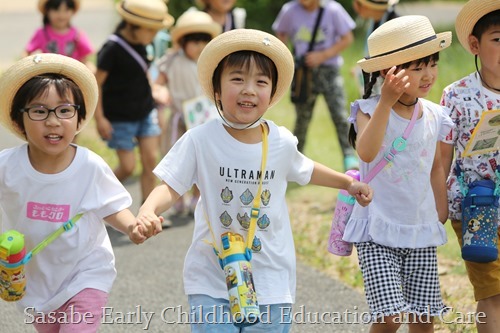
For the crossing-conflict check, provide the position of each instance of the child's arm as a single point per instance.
(103, 125)
(438, 183)
(446, 157)
(124, 221)
(316, 58)
(324, 176)
(371, 131)
(158, 201)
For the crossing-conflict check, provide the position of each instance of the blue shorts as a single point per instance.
(213, 315)
(125, 133)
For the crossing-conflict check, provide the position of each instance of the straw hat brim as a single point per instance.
(378, 6)
(246, 40)
(41, 5)
(145, 22)
(442, 41)
(213, 29)
(468, 16)
(45, 63)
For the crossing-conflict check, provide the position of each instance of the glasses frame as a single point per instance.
(27, 110)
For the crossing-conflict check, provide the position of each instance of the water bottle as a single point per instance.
(12, 260)
(235, 261)
(479, 222)
(343, 210)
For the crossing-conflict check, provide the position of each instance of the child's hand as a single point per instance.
(361, 191)
(147, 225)
(395, 84)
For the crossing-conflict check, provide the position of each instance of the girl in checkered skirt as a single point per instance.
(396, 134)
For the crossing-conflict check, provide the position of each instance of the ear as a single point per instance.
(473, 44)
(383, 73)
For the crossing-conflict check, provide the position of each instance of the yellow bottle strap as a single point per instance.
(255, 211)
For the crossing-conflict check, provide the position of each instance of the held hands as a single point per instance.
(361, 191)
(147, 225)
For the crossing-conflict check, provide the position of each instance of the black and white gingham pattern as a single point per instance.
(400, 280)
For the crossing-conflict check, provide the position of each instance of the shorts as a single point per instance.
(484, 277)
(213, 315)
(399, 280)
(82, 313)
(125, 133)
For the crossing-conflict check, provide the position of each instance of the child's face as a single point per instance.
(421, 78)
(488, 50)
(60, 18)
(193, 49)
(144, 36)
(52, 136)
(221, 6)
(245, 93)
(309, 4)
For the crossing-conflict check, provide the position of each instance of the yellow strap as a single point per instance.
(254, 213)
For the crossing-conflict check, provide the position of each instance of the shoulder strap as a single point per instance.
(398, 145)
(68, 225)
(130, 50)
(315, 30)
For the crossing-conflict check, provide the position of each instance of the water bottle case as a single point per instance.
(235, 261)
(479, 222)
(12, 260)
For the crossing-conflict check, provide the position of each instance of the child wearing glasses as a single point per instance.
(45, 100)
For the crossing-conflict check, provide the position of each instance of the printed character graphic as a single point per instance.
(231, 277)
(473, 225)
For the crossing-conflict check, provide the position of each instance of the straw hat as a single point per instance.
(145, 13)
(194, 21)
(42, 3)
(468, 16)
(378, 4)
(45, 63)
(246, 40)
(402, 40)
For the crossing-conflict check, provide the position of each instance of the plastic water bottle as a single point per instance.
(479, 222)
(12, 260)
(235, 261)
(343, 210)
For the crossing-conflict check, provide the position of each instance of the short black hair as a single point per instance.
(484, 23)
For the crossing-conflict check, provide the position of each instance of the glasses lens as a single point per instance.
(38, 113)
(65, 111)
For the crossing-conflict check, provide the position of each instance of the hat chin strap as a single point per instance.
(240, 126)
(234, 125)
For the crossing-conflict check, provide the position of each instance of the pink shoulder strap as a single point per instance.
(398, 145)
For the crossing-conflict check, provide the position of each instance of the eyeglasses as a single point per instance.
(64, 111)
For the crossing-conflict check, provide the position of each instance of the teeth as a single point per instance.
(246, 104)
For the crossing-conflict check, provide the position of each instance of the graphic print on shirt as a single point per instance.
(246, 199)
(47, 212)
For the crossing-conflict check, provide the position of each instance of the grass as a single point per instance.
(311, 208)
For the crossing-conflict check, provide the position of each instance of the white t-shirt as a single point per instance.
(226, 172)
(37, 204)
(403, 212)
(182, 74)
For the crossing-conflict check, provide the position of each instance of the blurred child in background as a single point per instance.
(57, 35)
(178, 72)
(224, 13)
(126, 114)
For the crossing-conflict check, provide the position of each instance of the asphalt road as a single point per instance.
(148, 292)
